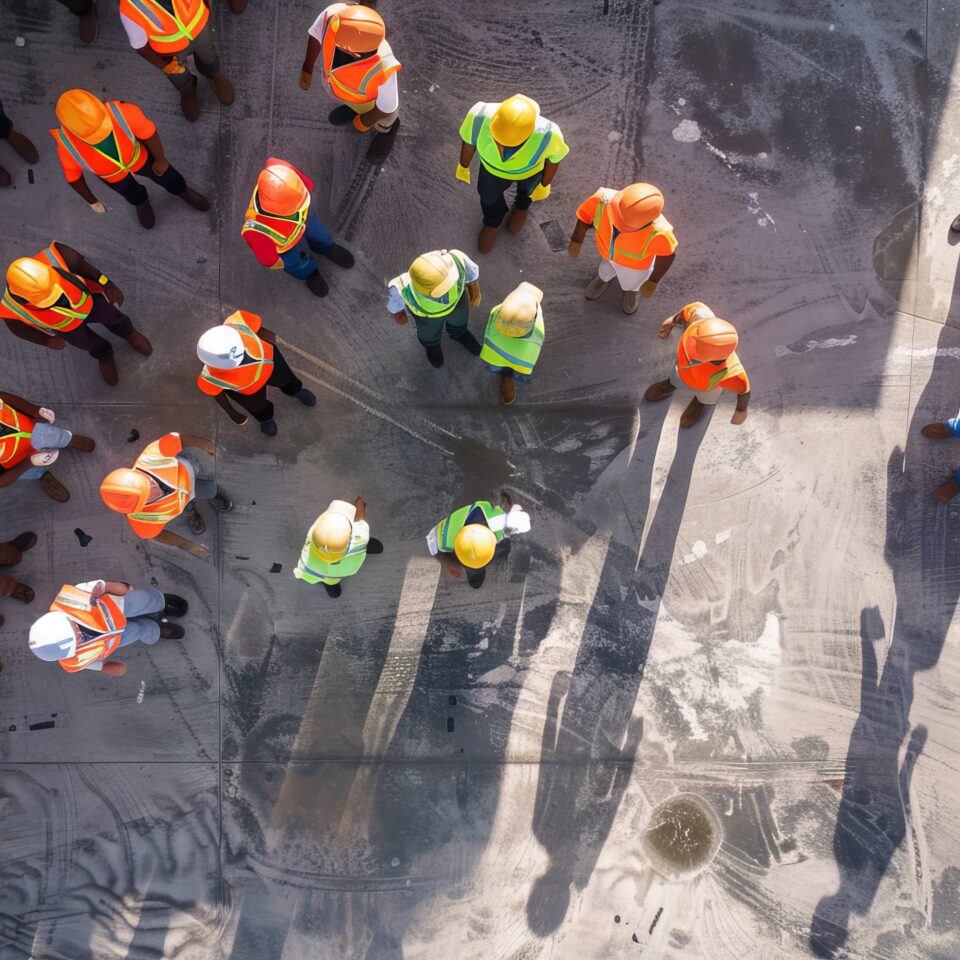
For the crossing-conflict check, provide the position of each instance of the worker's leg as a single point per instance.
(319, 238)
(130, 189)
(77, 7)
(256, 404)
(6, 124)
(207, 60)
(137, 607)
(11, 552)
(104, 312)
(48, 436)
(628, 278)
(298, 263)
(429, 330)
(10, 587)
(476, 577)
(171, 179)
(282, 377)
(492, 203)
(524, 189)
(84, 338)
(384, 124)
(456, 324)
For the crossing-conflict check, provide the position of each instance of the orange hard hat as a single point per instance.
(635, 206)
(712, 339)
(125, 490)
(281, 191)
(34, 281)
(358, 29)
(84, 115)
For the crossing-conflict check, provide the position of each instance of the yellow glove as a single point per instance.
(541, 192)
(473, 292)
(305, 80)
(277, 264)
(648, 288)
(174, 66)
(463, 173)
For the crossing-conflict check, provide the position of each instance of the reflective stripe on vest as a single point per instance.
(123, 167)
(259, 364)
(182, 31)
(525, 161)
(448, 529)
(432, 306)
(351, 82)
(612, 251)
(11, 443)
(311, 565)
(732, 367)
(284, 242)
(166, 472)
(518, 353)
(73, 316)
(102, 615)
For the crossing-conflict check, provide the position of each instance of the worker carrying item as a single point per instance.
(22, 144)
(30, 443)
(513, 338)
(359, 69)
(240, 360)
(52, 298)
(164, 32)
(707, 363)
(336, 545)
(163, 483)
(476, 534)
(635, 241)
(90, 621)
(11, 553)
(114, 141)
(438, 290)
(516, 145)
(279, 220)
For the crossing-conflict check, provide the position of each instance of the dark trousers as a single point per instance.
(79, 7)
(5, 125)
(492, 189)
(283, 378)
(136, 193)
(103, 312)
(430, 328)
(476, 577)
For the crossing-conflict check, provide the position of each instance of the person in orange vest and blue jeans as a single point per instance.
(163, 483)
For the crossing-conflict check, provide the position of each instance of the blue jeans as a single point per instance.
(45, 436)
(296, 261)
(141, 628)
(510, 372)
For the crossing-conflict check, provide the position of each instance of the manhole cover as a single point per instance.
(683, 835)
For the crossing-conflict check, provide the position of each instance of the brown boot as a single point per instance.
(53, 488)
(508, 389)
(189, 103)
(140, 343)
(11, 552)
(516, 220)
(946, 491)
(658, 391)
(595, 288)
(5, 180)
(196, 200)
(487, 238)
(23, 593)
(223, 88)
(24, 146)
(238, 6)
(145, 215)
(89, 26)
(936, 431)
(82, 443)
(108, 370)
(630, 303)
(692, 413)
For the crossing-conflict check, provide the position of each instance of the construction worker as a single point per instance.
(30, 443)
(707, 363)
(23, 145)
(89, 621)
(51, 299)
(11, 553)
(513, 338)
(86, 12)
(164, 32)
(114, 141)
(516, 145)
(279, 219)
(635, 241)
(241, 359)
(944, 430)
(474, 535)
(163, 483)
(359, 69)
(438, 290)
(336, 545)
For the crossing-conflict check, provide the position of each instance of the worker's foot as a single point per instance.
(24, 541)
(269, 428)
(630, 303)
(238, 6)
(341, 115)
(947, 491)
(85, 444)
(174, 605)
(955, 226)
(508, 390)
(53, 488)
(196, 200)
(937, 431)
(595, 288)
(54, 343)
(23, 593)
(435, 356)
(195, 521)
(145, 215)
(306, 397)
(114, 668)
(5, 180)
(317, 285)
(189, 103)
(374, 546)
(333, 590)
(140, 343)
(487, 238)
(469, 342)
(108, 370)
(221, 504)
(516, 220)
(379, 150)
(341, 256)
(692, 413)
(171, 631)
(89, 26)
(658, 391)
(223, 88)
(23, 145)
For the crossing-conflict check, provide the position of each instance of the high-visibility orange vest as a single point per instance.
(358, 81)
(284, 232)
(251, 375)
(167, 32)
(629, 248)
(704, 376)
(103, 616)
(131, 154)
(174, 480)
(14, 446)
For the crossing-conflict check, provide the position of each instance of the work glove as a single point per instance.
(517, 521)
(305, 80)
(648, 289)
(277, 264)
(473, 292)
(173, 67)
(98, 207)
(358, 124)
(463, 173)
(573, 248)
(541, 192)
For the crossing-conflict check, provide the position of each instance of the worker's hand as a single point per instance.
(264, 334)
(665, 328)
(202, 443)
(174, 66)
(160, 166)
(473, 292)
(541, 192)
(47, 414)
(113, 668)
(573, 248)
(360, 503)
(277, 264)
(507, 498)
(98, 590)
(400, 317)
(306, 78)
(738, 417)
(98, 207)
(648, 289)
(43, 458)
(113, 293)
(463, 173)
(358, 124)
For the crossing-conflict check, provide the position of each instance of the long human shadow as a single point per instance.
(590, 737)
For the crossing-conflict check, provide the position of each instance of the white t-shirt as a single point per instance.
(135, 33)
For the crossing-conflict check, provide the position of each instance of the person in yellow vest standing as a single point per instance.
(336, 545)
(474, 535)
(51, 299)
(438, 291)
(706, 365)
(88, 622)
(278, 221)
(163, 483)
(516, 145)
(513, 338)
(240, 360)
(164, 32)
(359, 70)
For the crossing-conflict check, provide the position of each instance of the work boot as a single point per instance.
(333, 590)
(81, 443)
(487, 238)
(341, 115)
(89, 26)
(238, 6)
(108, 370)
(469, 342)
(516, 220)
(658, 391)
(145, 215)
(379, 150)
(374, 547)
(196, 200)
(317, 285)
(937, 431)
(595, 288)
(223, 88)
(195, 520)
(53, 488)
(220, 503)
(508, 389)
(174, 605)
(23, 145)
(955, 226)
(23, 593)
(24, 541)
(946, 491)
(341, 256)
(630, 303)
(306, 397)
(140, 343)
(269, 428)
(435, 355)
(171, 631)
(5, 180)
(189, 103)
(692, 413)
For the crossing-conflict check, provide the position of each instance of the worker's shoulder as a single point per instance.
(211, 389)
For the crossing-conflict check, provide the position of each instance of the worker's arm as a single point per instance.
(32, 335)
(201, 443)
(267, 335)
(172, 539)
(21, 405)
(467, 151)
(80, 186)
(549, 172)
(661, 266)
(576, 238)
(667, 326)
(11, 473)
(83, 268)
(740, 414)
(160, 162)
(157, 59)
(361, 506)
(230, 410)
(116, 588)
(309, 60)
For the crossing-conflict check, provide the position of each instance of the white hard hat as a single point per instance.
(221, 346)
(52, 637)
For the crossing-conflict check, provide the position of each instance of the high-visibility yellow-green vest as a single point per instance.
(518, 353)
(425, 306)
(448, 529)
(545, 143)
(313, 569)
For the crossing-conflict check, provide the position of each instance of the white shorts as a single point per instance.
(629, 278)
(707, 397)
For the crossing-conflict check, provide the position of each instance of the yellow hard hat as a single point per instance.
(331, 535)
(84, 115)
(474, 545)
(34, 281)
(434, 273)
(519, 310)
(514, 120)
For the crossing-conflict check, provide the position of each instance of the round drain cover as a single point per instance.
(683, 835)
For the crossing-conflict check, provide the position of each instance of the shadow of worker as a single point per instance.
(590, 737)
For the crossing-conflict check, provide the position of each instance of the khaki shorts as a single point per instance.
(707, 397)
(382, 125)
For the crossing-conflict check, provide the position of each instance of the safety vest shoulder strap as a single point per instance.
(606, 195)
(120, 120)
(20, 312)
(65, 140)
